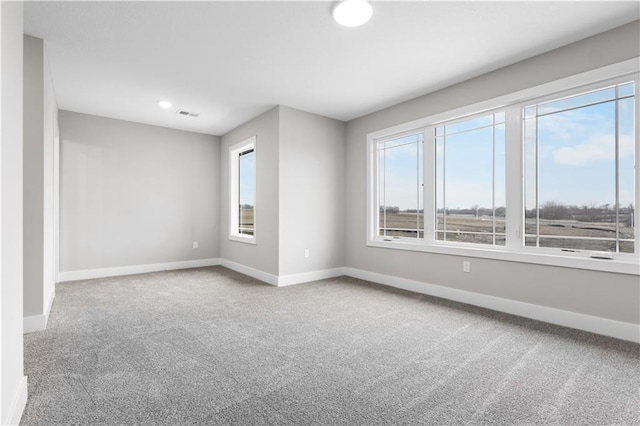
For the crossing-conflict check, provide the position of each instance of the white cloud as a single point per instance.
(598, 147)
(565, 126)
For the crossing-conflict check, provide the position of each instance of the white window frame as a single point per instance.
(514, 249)
(577, 91)
(431, 159)
(234, 185)
(377, 193)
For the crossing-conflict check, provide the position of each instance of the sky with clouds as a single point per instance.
(576, 155)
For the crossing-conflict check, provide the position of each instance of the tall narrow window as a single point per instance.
(246, 190)
(579, 171)
(470, 180)
(242, 192)
(400, 186)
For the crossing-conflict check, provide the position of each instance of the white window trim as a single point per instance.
(513, 250)
(234, 183)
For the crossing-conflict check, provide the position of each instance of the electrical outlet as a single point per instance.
(306, 253)
(195, 244)
(466, 266)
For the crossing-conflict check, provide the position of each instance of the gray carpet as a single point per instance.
(211, 346)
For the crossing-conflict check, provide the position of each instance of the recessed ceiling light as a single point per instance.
(164, 104)
(352, 13)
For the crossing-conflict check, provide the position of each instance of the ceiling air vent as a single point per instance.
(187, 113)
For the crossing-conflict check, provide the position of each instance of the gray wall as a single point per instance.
(40, 128)
(263, 255)
(51, 189)
(311, 168)
(11, 364)
(134, 194)
(606, 295)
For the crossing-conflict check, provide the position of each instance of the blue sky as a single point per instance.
(465, 160)
(401, 180)
(577, 155)
(468, 168)
(576, 158)
(247, 169)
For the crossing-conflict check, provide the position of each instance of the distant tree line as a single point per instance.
(550, 210)
(246, 206)
(553, 210)
(392, 209)
(473, 210)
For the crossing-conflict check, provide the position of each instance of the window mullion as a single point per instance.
(514, 197)
(373, 193)
(444, 185)
(617, 169)
(429, 187)
(493, 179)
(537, 175)
(384, 193)
(418, 189)
(636, 135)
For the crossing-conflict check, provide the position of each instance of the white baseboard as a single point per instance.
(17, 404)
(39, 322)
(34, 323)
(252, 272)
(52, 295)
(598, 325)
(282, 280)
(135, 269)
(305, 277)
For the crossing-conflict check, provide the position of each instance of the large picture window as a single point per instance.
(523, 180)
(579, 171)
(242, 191)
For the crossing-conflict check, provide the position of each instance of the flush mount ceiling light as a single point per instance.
(164, 104)
(352, 13)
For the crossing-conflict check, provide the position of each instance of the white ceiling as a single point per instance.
(230, 61)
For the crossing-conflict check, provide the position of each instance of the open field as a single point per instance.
(246, 220)
(469, 228)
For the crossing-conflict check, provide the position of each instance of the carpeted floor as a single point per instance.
(211, 346)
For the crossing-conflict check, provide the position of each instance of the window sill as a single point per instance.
(629, 267)
(243, 239)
